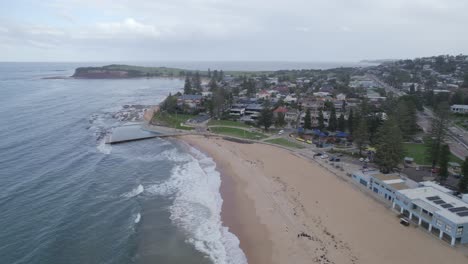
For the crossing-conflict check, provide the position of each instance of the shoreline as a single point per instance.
(253, 237)
(272, 194)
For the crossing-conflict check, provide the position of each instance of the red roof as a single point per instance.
(281, 109)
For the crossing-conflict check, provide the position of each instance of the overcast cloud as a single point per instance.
(292, 30)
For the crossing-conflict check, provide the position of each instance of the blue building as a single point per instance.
(439, 212)
(384, 185)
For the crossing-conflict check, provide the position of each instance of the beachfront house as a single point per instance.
(440, 213)
(237, 111)
(459, 109)
(191, 100)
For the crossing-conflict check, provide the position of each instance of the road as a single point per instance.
(457, 138)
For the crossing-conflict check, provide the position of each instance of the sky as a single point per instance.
(231, 30)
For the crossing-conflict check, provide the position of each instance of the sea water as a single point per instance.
(67, 197)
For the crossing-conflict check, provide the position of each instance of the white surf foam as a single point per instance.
(137, 218)
(197, 206)
(103, 147)
(136, 191)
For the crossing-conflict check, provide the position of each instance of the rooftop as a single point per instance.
(460, 106)
(445, 205)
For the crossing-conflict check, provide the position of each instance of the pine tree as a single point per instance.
(279, 120)
(209, 73)
(463, 183)
(307, 120)
(188, 86)
(341, 123)
(321, 123)
(332, 122)
(438, 133)
(361, 135)
(443, 162)
(350, 122)
(389, 146)
(197, 83)
(265, 118)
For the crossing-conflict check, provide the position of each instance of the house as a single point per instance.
(341, 97)
(291, 116)
(191, 100)
(290, 99)
(263, 94)
(440, 213)
(252, 111)
(237, 110)
(459, 109)
(280, 109)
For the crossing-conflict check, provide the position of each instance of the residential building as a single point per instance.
(459, 109)
(191, 100)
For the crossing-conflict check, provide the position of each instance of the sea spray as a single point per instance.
(136, 191)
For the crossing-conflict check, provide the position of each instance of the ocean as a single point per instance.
(66, 197)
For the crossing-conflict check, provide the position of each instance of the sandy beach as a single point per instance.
(271, 195)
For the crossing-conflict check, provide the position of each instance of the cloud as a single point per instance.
(128, 28)
(236, 29)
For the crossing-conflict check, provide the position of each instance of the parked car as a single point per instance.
(281, 132)
(335, 159)
(317, 154)
(324, 156)
(404, 221)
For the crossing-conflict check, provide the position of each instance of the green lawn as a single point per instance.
(418, 152)
(173, 120)
(237, 132)
(226, 123)
(285, 143)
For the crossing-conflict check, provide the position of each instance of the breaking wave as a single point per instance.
(136, 191)
(194, 184)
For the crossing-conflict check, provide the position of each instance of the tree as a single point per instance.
(406, 115)
(279, 120)
(465, 80)
(307, 120)
(341, 123)
(361, 135)
(188, 86)
(412, 89)
(389, 146)
(265, 118)
(209, 73)
(463, 183)
(197, 83)
(170, 104)
(321, 124)
(350, 121)
(438, 133)
(332, 121)
(443, 162)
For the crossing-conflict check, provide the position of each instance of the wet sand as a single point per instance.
(272, 195)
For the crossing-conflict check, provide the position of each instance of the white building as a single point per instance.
(459, 109)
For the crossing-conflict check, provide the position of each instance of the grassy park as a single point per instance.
(226, 123)
(418, 152)
(173, 120)
(237, 132)
(285, 143)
